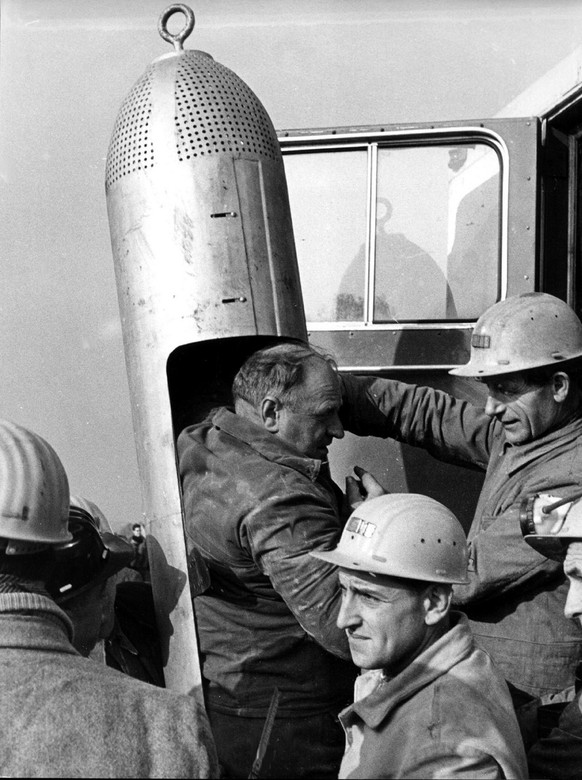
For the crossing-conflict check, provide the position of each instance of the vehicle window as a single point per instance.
(328, 194)
(389, 234)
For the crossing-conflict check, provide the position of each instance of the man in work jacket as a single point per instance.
(64, 715)
(429, 704)
(553, 724)
(526, 349)
(258, 498)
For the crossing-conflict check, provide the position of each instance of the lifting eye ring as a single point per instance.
(179, 38)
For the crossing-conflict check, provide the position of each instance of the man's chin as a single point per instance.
(515, 434)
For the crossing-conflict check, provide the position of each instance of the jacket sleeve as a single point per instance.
(450, 429)
(281, 534)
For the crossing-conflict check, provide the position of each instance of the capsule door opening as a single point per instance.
(200, 377)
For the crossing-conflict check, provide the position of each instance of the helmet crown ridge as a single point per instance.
(523, 332)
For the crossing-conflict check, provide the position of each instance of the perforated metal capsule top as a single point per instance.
(215, 112)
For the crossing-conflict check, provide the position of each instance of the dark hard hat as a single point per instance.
(92, 556)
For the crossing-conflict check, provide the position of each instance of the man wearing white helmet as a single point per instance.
(554, 733)
(527, 438)
(64, 715)
(429, 703)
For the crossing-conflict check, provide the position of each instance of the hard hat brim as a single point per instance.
(36, 537)
(347, 562)
(551, 546)
(472, 370)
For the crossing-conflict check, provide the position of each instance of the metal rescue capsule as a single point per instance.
(206, 273)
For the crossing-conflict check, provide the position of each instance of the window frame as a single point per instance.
(517, 143)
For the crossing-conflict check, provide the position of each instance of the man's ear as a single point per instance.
(560, 386)
(437, 601)
(270, 414)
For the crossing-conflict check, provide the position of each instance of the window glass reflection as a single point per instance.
(437, 233)
(474, 230)
(436, 223)
(328, 193)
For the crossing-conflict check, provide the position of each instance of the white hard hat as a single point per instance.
(403, 535)
(34, 490)
(549, 523)
(522, 332)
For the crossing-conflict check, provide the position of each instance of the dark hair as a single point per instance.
(277, 371)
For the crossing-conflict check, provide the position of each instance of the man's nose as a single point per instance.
(573, 608)
(493, 406)
(347, 616)
(336, 429)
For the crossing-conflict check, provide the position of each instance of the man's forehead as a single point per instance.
(320, 380)
(368, 581)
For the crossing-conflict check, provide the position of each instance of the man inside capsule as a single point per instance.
(258, 498)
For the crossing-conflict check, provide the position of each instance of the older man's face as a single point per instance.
(573, 570)
(312, 422)
(384, 620)
(525, 412)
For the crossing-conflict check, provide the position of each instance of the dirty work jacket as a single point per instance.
(64, 715)
(515, 599)
(254, 509)
(448, 714)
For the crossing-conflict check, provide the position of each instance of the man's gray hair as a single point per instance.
(278, 371)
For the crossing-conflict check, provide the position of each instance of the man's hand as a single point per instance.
(362, 487)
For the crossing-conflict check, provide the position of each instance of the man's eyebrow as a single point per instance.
(368, 590)
(364, 591)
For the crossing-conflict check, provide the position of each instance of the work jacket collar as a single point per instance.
(266, 444)
(34, 621)
(520, 455)
(383, 694)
